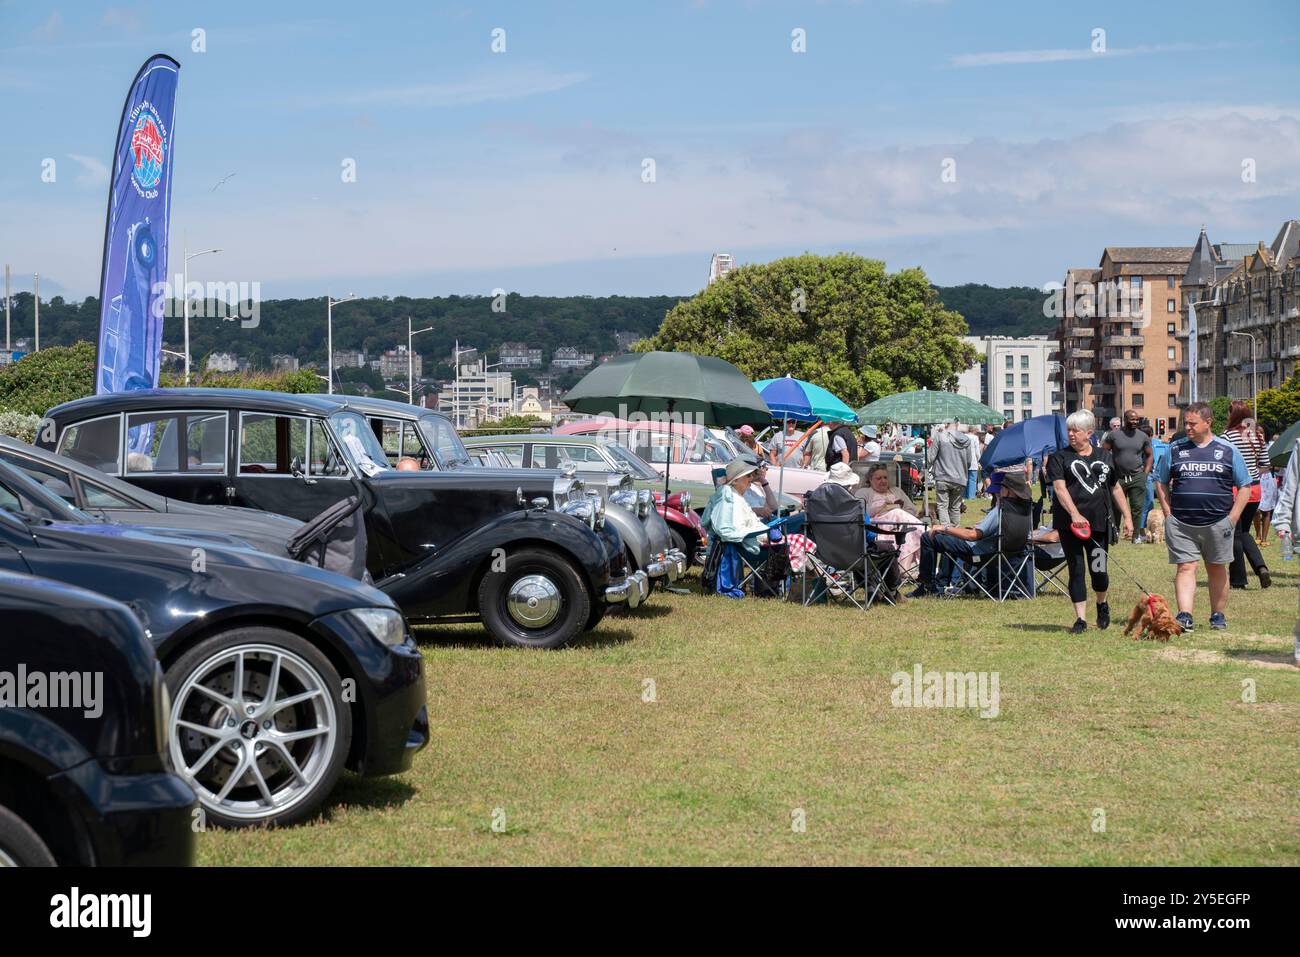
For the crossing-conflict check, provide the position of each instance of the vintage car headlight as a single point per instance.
(597, 503)
(624, 497)
(386, 624)
(566, 487)
(645, 501)
(581, 509)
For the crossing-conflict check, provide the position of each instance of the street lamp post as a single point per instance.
(185, 298)
(410, 359)
(329, 335)
(1254, 371)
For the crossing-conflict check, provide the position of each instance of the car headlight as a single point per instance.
(626, 498)
(644, 502)
(598, 504)
(581, 509)
(386, 624)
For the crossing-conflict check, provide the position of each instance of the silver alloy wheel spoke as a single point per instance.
(272, 762)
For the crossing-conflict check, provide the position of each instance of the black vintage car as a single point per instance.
(533, 559)
(83, 776)
(281, 674)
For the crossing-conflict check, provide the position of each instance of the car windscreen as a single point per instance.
(358, 439)
(624, 457)
(24, 494)
(442, 438)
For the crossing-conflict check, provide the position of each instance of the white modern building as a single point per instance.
(1018, 377)
(476, 395)
(720, 265)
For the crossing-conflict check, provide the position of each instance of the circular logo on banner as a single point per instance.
(147, 148)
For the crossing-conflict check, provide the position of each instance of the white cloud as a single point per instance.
(1018, 57)
(93, 172)
(506, 85)
(50, 29)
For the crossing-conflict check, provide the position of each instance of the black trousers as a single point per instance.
(1244, 548)
(1083, 559)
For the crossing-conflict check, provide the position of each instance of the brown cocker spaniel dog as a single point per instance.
(1153, 619)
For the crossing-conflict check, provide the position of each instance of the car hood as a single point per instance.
(264, 531)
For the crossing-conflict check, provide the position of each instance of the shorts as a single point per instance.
(1191, 543)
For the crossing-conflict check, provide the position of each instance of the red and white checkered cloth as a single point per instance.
(800, 545)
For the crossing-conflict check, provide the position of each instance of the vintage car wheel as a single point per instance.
(259, 728)
(539, 601)
(20, 846)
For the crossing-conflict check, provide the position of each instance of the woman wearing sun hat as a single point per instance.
(1084, 483)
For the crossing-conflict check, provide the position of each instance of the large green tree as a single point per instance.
(839, 321)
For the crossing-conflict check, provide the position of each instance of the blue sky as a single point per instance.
(523, 169)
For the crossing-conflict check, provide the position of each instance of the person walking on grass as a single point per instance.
(1195, 485)
(1085, 486)
(1131, 449)
(1287, 512)
(951, 463)
(1241, 433)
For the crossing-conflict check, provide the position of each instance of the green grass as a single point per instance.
(764, 708)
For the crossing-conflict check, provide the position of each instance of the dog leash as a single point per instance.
(1109, 557)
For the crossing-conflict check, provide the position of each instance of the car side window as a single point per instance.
(57, 480)
(580, 456)
(514, 454)
(96, 496)
(325, 457)
(176, 442)
(543, 456)
(96, 442)
(268, 444)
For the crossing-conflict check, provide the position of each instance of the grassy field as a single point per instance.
(1104, 750)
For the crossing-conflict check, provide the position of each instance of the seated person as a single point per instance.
(889, 507)
(732, 527)
(841, 474)
(951, 542)
(760, 496)
(408, 464)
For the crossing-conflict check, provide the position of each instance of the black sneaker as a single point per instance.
(1103, 615)
(924, 592)
(1218, 622)
(1265, 579)
(1185, 620)
(1079, 627)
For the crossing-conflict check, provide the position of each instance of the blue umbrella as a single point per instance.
(1029, 439)
(791, 398)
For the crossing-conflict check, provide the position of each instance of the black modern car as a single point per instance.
(83, 735)
(281, 674)
(109, 499)
(533, 559)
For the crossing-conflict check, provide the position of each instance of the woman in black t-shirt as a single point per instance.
(1084, 483)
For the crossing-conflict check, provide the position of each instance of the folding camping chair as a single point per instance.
(766, 575)
(1049, 562)
(844, 561)
(1001, 573)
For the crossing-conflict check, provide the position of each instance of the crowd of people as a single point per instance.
(1216, 497)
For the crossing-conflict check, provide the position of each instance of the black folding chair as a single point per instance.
(1001, 573)
(846, 567)
(1049, 563)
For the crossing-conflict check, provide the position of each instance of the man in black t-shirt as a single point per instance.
(1131, 448)
(1084, 483)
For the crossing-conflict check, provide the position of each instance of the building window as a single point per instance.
(1137, 400)
(1026, 398)
(1171, 305)
(1008, 398)
(1170, 281)
(1024, 380)
(1173, 377)
(1024, 362)
(1011, 378)
(1011, 361)
(1008, 414)
(1173, 353)
(1135, 285)
(1173, 401)
(1026, 414)
(1137, 375)
(1169, 328)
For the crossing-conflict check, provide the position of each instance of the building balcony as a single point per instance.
(1079, 375)
(1077, 354)
(1290, 352)
(1103, 388)
(1122, 365)
(1079, 332)
(1122, 341)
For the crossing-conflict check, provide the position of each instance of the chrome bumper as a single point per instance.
(671, 564)
(630, 591)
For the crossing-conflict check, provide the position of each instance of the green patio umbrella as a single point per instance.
(704, 389)
(926, 407)
(1280, 451)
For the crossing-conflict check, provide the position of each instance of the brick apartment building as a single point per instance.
(1118, 334)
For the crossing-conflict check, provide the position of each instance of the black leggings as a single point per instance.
(1086, 558)
(1244, 549)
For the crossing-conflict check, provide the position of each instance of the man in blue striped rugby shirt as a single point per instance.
(1204, 486)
